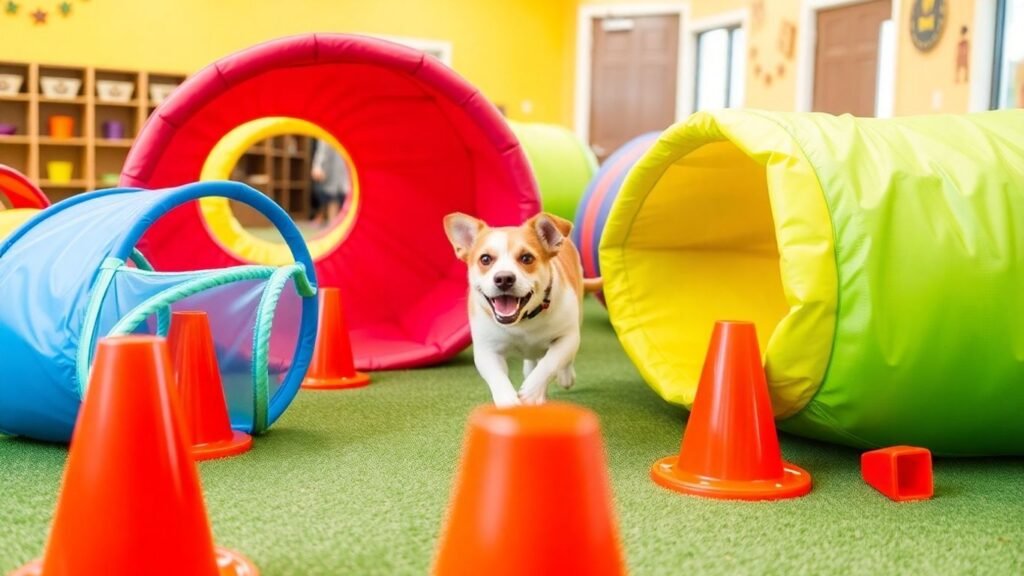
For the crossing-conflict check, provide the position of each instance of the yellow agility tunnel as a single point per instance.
(881, 260)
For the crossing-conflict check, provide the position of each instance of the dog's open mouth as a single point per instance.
(507, 308)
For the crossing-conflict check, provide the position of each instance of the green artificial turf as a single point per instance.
(356, 482)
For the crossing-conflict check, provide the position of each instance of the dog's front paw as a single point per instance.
(532, 395)
(507, 400)
(566, 377)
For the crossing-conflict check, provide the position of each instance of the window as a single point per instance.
(1008, 75)
(721, 68)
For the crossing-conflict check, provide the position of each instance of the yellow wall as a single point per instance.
(520, 53)
(511, 50)
(772, 72)
(926, 81)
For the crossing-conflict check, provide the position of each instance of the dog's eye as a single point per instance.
(486, 259)
(526, 258)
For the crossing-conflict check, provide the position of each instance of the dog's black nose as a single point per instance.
(504, 280)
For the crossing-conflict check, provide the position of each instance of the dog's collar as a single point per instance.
(543, 305)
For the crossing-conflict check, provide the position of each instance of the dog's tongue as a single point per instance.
(506, 305)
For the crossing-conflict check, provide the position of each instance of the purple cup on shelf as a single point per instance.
(8, 129)
(113, 130)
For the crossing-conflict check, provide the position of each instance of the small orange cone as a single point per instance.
(730, 448)
(332, 367)
(532, 497)
(201, 390)
(131, 502)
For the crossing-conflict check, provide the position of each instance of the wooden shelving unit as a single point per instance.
(96, 160)
(279, 167)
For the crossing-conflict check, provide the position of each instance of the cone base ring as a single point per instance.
(795, 482)
(229, 563)
(239, 443)
(357, 381)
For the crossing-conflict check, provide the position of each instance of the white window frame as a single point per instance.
(732, 19)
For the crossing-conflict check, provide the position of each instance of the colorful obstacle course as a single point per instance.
(856, 259)
(72, 274)
(23, 199)
(129, 465)
(419, 137)
(562, 164)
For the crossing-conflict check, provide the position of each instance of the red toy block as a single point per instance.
(902, 473)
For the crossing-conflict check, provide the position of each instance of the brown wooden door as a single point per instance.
(846, 58)
(633, 79)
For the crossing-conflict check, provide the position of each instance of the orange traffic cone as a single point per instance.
(131, 502)
(200, 389)
(730, 448)
(532, 497)
(332, 367)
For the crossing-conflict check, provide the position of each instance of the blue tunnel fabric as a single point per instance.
(49, 273)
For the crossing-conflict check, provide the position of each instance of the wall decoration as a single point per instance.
(787, 39)
(927, 21)
(963, 56)
(39, 16)
(756, 15)
(769, 66)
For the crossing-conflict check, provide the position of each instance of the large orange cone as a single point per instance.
(201, 390)
(131, 502)
(532, 497)
(332, 367)
(730, 448)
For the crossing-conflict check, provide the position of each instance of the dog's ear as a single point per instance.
(462, 230)
(551, 230)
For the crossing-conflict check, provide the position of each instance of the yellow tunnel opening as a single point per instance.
(707, 228)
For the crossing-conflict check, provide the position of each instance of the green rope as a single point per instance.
(108, 269)
(261, 336)
(165, 298)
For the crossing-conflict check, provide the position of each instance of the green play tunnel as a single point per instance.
(562, 164)
(882, 261)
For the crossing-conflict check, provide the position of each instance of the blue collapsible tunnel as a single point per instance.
(72, 274)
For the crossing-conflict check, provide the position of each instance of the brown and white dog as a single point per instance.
(526, 291)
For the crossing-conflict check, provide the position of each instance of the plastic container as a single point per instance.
(113, 130)
(62, 126)
(59, 171)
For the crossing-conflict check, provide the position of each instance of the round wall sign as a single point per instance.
(927, 20)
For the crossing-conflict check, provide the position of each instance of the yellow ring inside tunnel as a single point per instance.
(221, 221)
